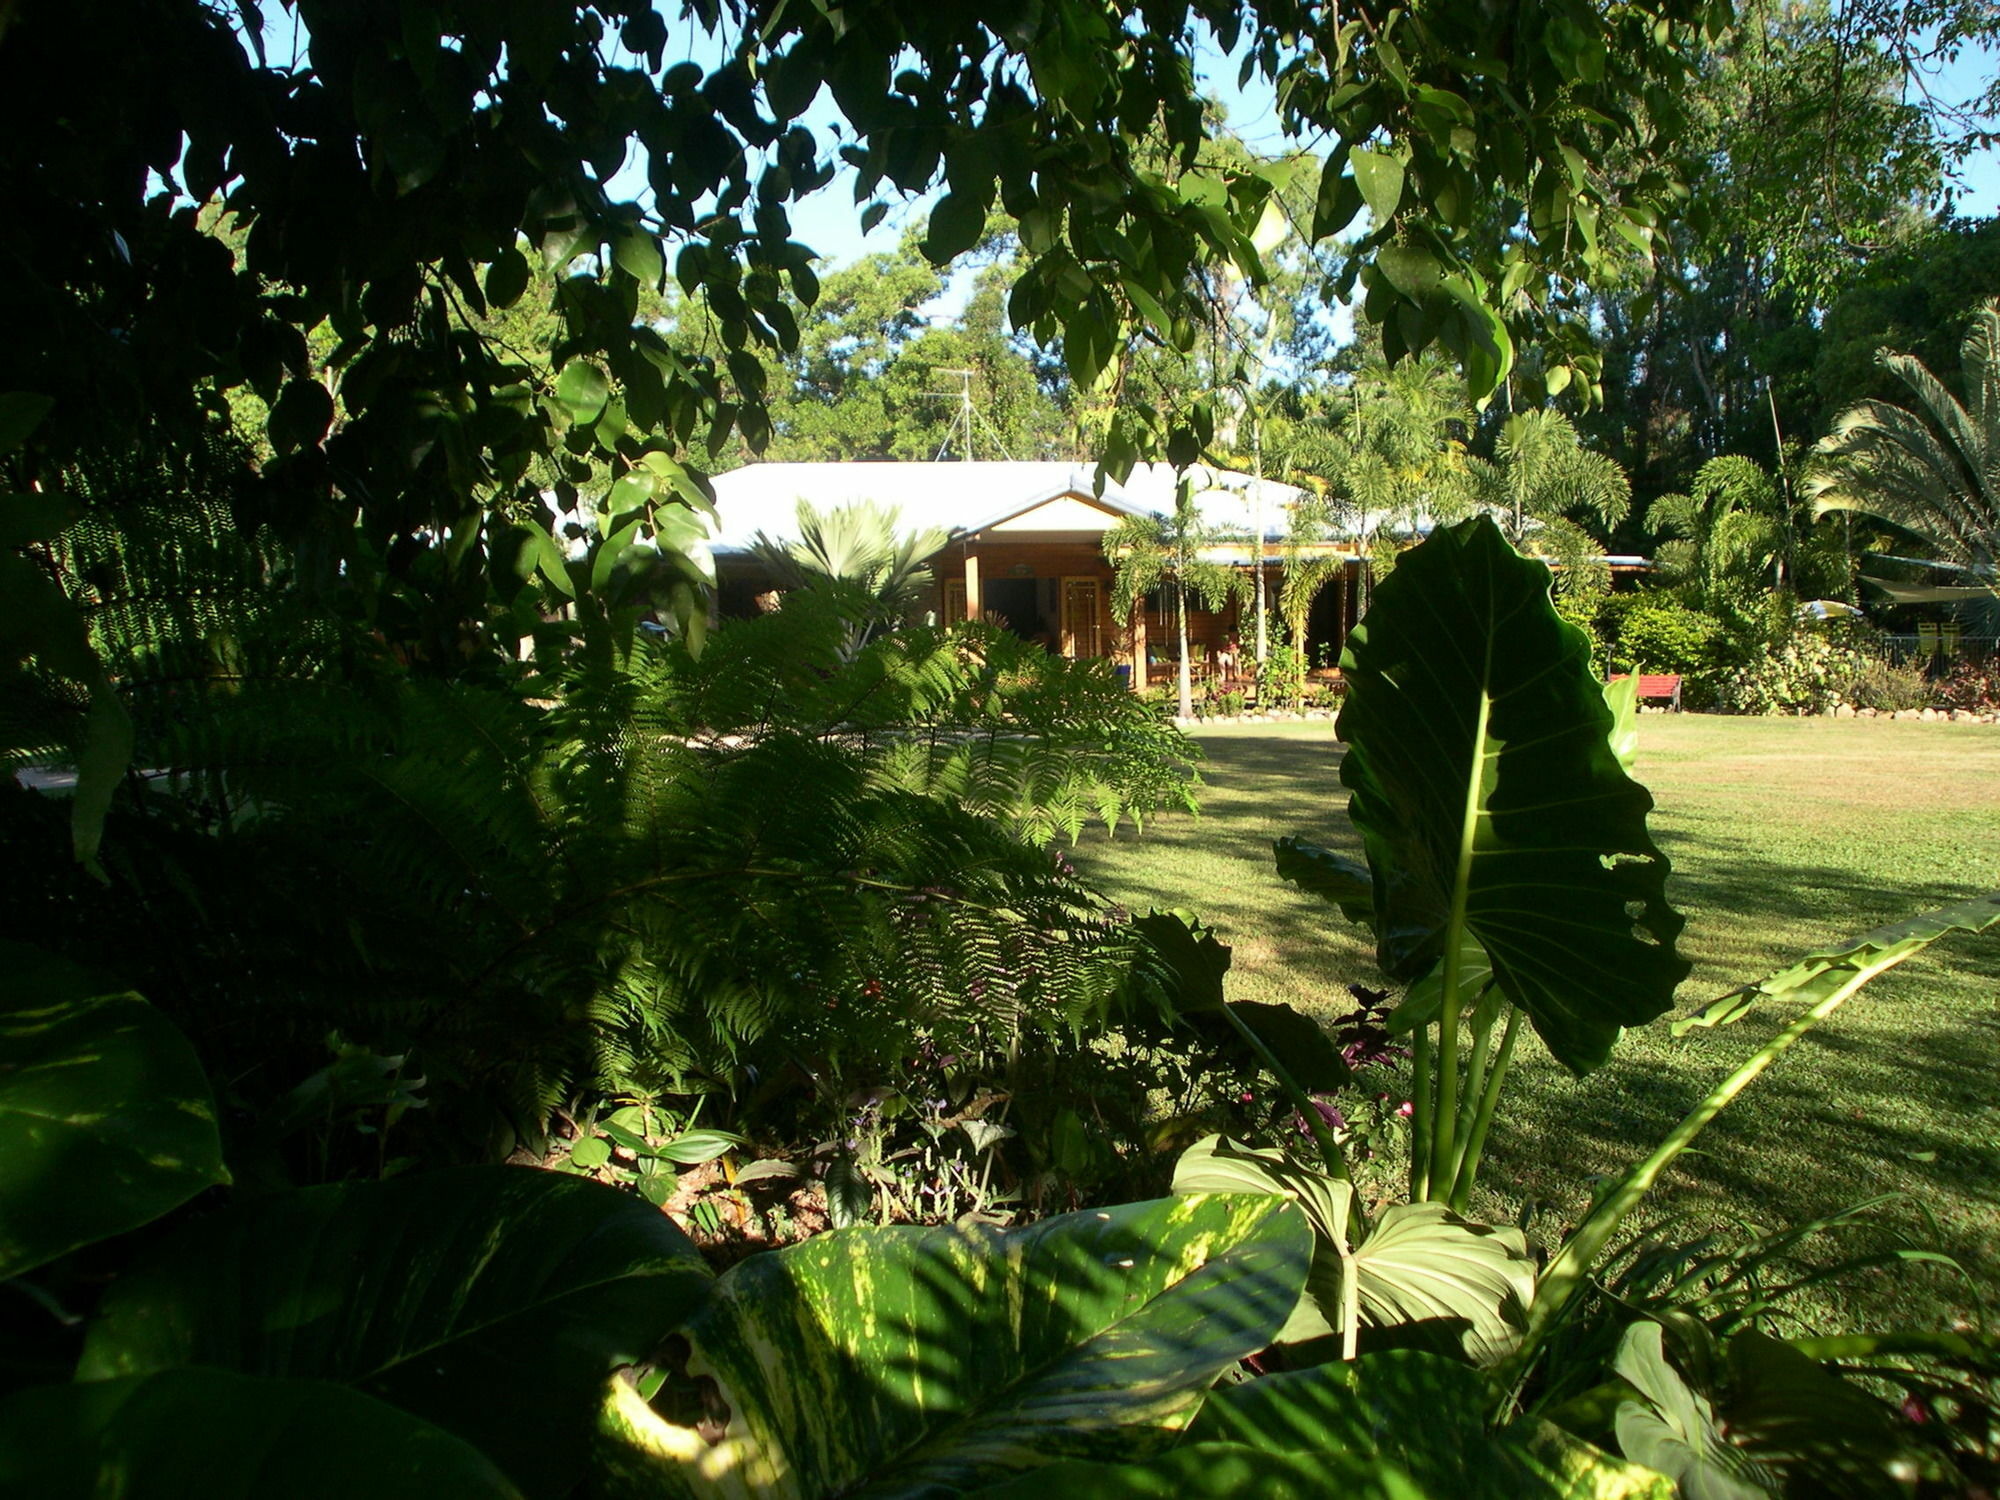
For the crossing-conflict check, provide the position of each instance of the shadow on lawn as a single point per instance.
(1893, 1095)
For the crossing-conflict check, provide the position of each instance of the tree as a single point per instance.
(1150, 552)
(1550, 494)
(860, 547)
(1310, 521)
(1931, 468)
(1394, 459)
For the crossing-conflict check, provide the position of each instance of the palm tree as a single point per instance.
(1551, 494)
(1932, 468)
(1148, 551)
(861, 547)
(1305, 576)
(1730, 525)
(1393, 459)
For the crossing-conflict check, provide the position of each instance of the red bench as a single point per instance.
(1656, 687)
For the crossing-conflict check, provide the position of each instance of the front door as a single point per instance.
(1082, 625)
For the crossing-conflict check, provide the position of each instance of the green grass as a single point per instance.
(1784, 834)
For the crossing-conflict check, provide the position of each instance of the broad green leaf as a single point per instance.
(1791, 1413)
(26, 518)
(1334, 877)
(1622, 698)
(214, 1435)
(583, 390)
(1380, 178)
(1421, 1264)
(21, 412)
(434, 1292)
(1411, 269)
(629, 492)
(1193, 960)
(1818, 975)
(1227, 1471)
(693, 1147)
(1425, 999)
(1490, 801)
(506, 278)
(1338, 200)
(1668, 1427)
(908, 1361)
(1424, 1417)
(1296, 1040)
(106, 1121)
(638, 254)
(955, 226)
(108, 739)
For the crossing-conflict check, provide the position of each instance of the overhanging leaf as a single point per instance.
(431, 1292)
(106, 1121)
(1380, 178)
(1487, 793)
(912, 1361)
(1223, 1470)
(1622, 698)
(222, 1436)
(1334, 877)
(1820, 974)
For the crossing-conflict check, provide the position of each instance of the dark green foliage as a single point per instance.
(446, 1282)
(164, 1434)
(73, 1170)
(672, 870)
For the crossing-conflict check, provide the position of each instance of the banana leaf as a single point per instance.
(455, 1295)
(1491, 801)
(908, 1361)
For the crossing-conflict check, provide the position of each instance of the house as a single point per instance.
(1026, 546)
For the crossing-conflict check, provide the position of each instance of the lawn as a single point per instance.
(1784, 834)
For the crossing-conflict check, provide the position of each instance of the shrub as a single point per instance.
(1658, 635)
(1809, 673)
(1882, 684)
(1970, 685)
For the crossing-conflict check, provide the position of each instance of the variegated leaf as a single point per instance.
(906, 1361)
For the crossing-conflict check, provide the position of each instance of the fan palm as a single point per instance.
(1931, 468)
(860, 545)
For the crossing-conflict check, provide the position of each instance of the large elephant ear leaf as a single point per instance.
(911, 1361)
(1491, 801)
(222, 1436)
(429, 1292)
(106, 1121)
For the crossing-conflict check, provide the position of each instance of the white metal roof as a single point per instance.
(961, 497)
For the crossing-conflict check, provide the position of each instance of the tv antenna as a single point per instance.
(962, 424)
